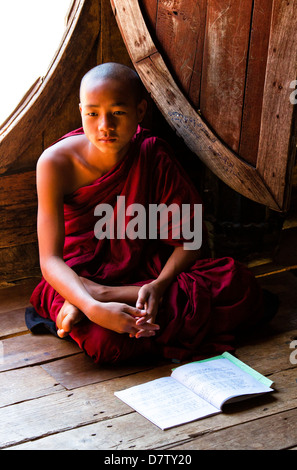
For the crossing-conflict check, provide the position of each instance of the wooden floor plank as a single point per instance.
(26, 384)
(76, 371)
(12, 323)
(29, 349)
(268, 355)
(97, 405)
(53, 397)
(285, 257)
(277, 432)
(17, 295)
(284, 285)
(65, 410)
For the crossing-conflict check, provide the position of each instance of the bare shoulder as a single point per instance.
(57, 165)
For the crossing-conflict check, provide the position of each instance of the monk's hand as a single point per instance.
(149, 297)
(121, 318)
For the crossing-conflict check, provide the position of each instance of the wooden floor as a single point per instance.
(53, 397)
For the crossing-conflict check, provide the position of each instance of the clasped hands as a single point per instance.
(149, 297)
(109, 312)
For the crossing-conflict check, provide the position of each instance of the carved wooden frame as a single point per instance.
(48, 93)
(269, 181)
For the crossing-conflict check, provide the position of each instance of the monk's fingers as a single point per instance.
(133, 332)
(147, 323)
(138, 323)
(133, 311)
(143, 329)
(143, 296)
(149, 298)
(144, 333)
(146, 329)
(149, 317)
(144, 319)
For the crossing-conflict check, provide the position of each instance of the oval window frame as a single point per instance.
(19, 130)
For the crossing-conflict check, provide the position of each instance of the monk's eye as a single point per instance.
(92, 114)
(119, 113)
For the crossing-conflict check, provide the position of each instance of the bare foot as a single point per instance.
(68, 316)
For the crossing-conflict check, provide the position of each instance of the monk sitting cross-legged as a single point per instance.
(123, 289)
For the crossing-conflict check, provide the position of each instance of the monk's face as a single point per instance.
(110, 115)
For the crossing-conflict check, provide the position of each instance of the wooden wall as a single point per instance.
(217, 51)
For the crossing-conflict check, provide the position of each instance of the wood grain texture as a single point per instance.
(266, 187)
(224, 67)
(180, 29)
(255, 80)
(150, 9)
(278, 114)
(53, 397)
(179, 113)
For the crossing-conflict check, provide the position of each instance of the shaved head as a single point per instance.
(125, 75)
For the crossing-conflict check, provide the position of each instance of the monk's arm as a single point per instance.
(51, 187)
(150, 294)
(103, 293)
(178, 262)
(51, 234)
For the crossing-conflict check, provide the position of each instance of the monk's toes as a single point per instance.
(62, 333)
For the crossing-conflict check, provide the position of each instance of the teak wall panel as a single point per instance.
(180, 31)
(111, 47)
(277, 141)
(255, 80)
(18, 207)
(213, 133)
(224, 67)
(150, 9)
(195, 86)
(178, 26)
(217, 51)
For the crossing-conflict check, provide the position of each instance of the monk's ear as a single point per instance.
(141, 109)
(80, 108)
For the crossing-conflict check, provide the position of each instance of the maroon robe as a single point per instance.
(203, 308)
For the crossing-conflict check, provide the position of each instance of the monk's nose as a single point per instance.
(106, 123)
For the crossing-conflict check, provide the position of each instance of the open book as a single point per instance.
(195, 390)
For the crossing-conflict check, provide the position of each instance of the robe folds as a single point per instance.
(201, 311)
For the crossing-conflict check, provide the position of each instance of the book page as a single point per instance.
(260, 378)
(166, 402)
(218, 380)
(243, 366)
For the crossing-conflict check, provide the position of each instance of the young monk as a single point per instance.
(123, 297)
